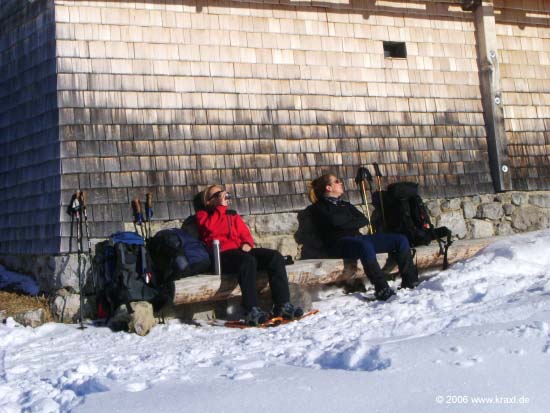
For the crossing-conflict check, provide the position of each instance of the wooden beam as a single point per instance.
(204, 288)
(491, 95)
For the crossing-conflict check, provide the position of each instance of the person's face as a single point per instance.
(335, 188)
(217, 196)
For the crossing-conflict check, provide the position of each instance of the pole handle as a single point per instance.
(377, 169)
(136, 207)
(83, 199)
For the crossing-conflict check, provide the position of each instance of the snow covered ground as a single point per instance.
(474, 338)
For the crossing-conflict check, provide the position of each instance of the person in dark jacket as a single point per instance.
(239, 256)
(338, 224)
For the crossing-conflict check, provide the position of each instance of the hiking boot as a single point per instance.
(410, 285)
(354, 286)
(384, 294)
(255, 317)
(287, 311)
(407, 269)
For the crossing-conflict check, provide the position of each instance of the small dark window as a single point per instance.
(395, 49)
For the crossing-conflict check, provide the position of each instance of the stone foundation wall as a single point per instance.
(468, 217)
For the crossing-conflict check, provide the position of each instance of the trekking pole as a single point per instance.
(71, 211)
(378, 176)
(75, 210)
(149, 211)
(138, 216)
(360, 180)
(83, 202)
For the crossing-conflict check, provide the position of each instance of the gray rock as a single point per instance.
(504, 228)
(469, 209)
(284, 223)
(540, 200)
(3, 315)
(451, 204)
(481, 229)
(476, 199)
(454, 220)
(33, 318)
(503, 197)
(142, 318)
(508, 209)
(487, 198)
(491, 210)
(285, 244)
(433, 208)
(66, 307)
(519, 198)
(530, 218)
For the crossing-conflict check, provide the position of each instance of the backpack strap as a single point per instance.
(439, 234)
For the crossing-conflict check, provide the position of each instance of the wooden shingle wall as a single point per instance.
(524, 43)
(171, 96)
(29, 146)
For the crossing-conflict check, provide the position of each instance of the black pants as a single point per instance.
(245, 266)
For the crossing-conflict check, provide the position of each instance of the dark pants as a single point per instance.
(245, 266)
(365, 248)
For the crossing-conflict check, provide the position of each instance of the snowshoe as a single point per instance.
(384, 294)
(255, 317)
(287, 311)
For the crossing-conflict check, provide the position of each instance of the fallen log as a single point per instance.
(204, 288)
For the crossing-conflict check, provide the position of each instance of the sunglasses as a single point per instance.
(216, 194)
(336, 181)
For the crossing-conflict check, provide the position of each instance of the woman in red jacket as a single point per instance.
(239, 256)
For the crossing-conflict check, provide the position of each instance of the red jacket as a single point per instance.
(228, 228)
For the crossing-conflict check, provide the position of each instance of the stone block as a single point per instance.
(469, 209)
(481, 229)
(530, 218)
(32, 318)
(504, 228)
(66, 307)
(540, 200)
(454, 220)
(142, 319)
(490, 210)
(508, 209)
(450, 204)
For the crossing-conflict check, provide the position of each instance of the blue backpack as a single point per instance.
(177, 254)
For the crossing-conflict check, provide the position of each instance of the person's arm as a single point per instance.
(243, 232)
(210, 222)
(341, 217)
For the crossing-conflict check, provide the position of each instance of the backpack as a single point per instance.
(177, 254)
(404, 212)
(123, 273)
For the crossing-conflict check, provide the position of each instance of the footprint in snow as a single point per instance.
(239, 376)
(137, 387)
(356, 357)
(472, 361)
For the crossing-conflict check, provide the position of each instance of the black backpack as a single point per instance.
(177, 254)
(404, 212)
(123, 273)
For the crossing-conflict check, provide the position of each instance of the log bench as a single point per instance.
(314, 272)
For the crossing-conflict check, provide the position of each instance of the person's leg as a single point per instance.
(244, 266)
(363, 248)
(398, 245)
(273, 262)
